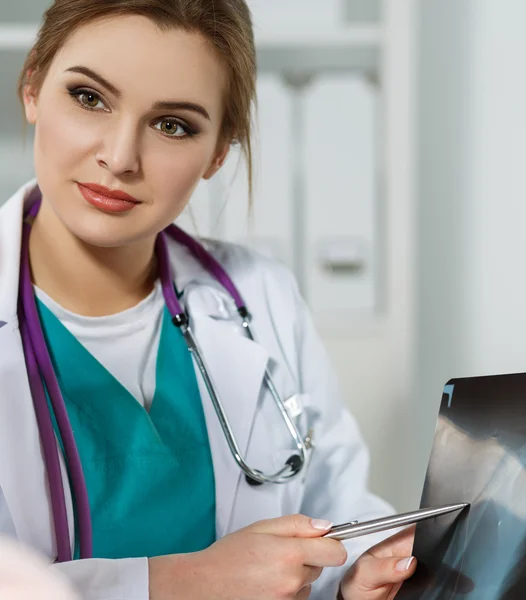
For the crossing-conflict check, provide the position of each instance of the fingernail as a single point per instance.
(321, 524)
(404, 564)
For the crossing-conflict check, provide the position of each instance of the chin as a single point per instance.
(99, 240)
(101, 232)
(106, 231)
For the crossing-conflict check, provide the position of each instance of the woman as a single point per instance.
(133, 103)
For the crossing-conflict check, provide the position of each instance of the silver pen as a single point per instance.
(357, 529)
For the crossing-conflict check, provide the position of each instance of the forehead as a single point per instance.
(139, 59)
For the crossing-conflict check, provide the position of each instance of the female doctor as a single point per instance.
(116, 460)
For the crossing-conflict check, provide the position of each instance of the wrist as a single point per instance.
(173, 577)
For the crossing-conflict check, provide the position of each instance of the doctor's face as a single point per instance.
(131, 108)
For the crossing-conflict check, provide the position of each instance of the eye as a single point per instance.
(174, 128)
(87, 99)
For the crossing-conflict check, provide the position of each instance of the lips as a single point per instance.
(114, 194)
(106, 200)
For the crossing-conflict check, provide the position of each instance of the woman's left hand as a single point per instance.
(379, 573)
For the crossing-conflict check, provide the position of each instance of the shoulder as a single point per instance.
(244, 261)
(257, 276)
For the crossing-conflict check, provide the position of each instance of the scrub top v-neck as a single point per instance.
(149, 475)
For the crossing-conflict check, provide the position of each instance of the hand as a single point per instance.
(277, 559)
(379, 573)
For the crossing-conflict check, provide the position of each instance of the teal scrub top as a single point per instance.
(149, 475)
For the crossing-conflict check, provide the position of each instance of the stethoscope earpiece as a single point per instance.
(295, 462)
(253, 482)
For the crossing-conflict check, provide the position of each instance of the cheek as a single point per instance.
(60, 138)
(174, 175)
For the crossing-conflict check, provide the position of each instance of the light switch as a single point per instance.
(344, 256)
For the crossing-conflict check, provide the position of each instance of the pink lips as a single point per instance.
(113, 201)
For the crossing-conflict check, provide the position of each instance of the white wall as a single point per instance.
(16, 163)
(444, 151)
(495, 239)
(367, 369)
(472, 220)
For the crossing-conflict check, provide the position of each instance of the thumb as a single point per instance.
(292, 526)
(372, 573)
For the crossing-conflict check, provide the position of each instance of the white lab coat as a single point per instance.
(335, 485)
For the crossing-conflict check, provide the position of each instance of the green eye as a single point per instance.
(90, 100)
(87, 98)
(172, 128)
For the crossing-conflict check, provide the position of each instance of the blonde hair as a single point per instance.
(226, 24)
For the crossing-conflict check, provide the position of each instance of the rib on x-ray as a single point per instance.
(478, 456)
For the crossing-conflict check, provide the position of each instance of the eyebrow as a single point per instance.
(161, 105)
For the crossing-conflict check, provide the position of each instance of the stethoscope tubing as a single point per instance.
(253, 475)
(40, 371)
(50, 451)
(47, 372)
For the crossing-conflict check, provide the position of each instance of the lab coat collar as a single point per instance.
(186, 269)
(11, 215)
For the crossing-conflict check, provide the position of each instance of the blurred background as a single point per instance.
(390, 179)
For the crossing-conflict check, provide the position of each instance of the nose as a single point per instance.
(119, 152)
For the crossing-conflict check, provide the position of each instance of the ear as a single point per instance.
(30, 101)
(219, 160)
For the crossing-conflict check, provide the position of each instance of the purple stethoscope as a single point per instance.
(41, 373)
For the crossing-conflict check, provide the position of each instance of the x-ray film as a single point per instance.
(478, 456)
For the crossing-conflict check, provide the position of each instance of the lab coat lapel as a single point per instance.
(10, 242)
(22, 470)
(236, 366)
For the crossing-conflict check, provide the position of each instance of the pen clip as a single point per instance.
(338, 528)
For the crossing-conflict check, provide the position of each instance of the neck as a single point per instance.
(84, 279)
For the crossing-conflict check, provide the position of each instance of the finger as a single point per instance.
(323, 552)
(292, 526)
(394, 591)
(373, 573)
(400, 544)
(311, 574)
(304, 593)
